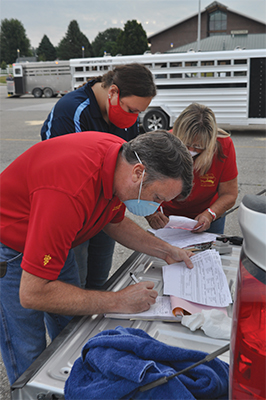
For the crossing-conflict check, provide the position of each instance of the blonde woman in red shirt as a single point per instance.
(215, 187)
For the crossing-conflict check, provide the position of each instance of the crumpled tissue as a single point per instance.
(214, 323)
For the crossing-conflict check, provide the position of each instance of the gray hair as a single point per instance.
(163, 156)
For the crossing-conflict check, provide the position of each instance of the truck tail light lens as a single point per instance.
(248, 338)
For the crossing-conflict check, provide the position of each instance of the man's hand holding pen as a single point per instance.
(136, 298)
(157, 220)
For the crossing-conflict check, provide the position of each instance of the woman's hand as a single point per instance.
(157, 220)
(227, 194)
(204, 222)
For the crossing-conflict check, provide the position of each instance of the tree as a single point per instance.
(71, 45)
(133, 39)
(46, 51)
(3, 65)
(106, 42)
(13, 38)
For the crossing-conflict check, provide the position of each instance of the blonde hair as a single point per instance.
(197, 124)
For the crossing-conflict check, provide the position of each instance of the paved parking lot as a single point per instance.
(21, 120)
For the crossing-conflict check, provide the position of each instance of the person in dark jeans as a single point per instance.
(110, 103)
(45, 214)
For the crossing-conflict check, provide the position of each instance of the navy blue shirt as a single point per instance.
(79, 111)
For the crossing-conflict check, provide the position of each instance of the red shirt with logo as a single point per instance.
(58, 194)
(205, 188)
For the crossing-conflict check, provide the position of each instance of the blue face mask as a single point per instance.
(141, 207)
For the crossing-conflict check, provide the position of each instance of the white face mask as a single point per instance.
(193, 153)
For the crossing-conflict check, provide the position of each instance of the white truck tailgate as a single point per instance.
(46, 377)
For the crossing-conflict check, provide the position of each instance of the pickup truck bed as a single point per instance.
(46, 377)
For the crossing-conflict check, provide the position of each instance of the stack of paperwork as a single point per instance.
(205, 284)
(178, 233)
(187, 291)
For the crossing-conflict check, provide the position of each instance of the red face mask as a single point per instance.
(120, 117)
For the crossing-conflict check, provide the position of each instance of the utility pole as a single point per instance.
(199, 26)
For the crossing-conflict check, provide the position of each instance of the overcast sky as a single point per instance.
(52, 17)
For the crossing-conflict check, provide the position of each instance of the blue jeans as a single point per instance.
(22, 331)
(94, 258)
(217, 226)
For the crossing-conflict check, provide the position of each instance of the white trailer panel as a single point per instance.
(231, 83)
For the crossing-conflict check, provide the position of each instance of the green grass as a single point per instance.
(2, 79)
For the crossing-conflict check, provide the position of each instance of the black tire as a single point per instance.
(48, 92)
(154, 120)
(37, 92)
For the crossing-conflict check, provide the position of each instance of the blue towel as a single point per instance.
(114, 363)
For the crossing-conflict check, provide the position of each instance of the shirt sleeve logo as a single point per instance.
(117, 207)
(46, 259)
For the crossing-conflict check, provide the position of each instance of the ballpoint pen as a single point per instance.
(132, 276)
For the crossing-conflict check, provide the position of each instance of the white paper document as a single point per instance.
(176, 222)
(161, 310)
(205, 284)
(183, 238)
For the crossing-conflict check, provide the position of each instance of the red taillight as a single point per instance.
(248, 339)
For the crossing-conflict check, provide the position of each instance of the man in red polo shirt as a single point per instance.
(60, 193)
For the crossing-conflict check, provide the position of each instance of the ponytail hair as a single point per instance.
(131, 79)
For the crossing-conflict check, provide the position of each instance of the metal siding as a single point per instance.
(225, 43)
(55, 75)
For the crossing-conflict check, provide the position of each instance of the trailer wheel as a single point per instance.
(155, 119)
(37, 92)
(48, 92)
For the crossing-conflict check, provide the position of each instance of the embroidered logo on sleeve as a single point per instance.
(46, 259)
(207, 180)
(117, 207)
